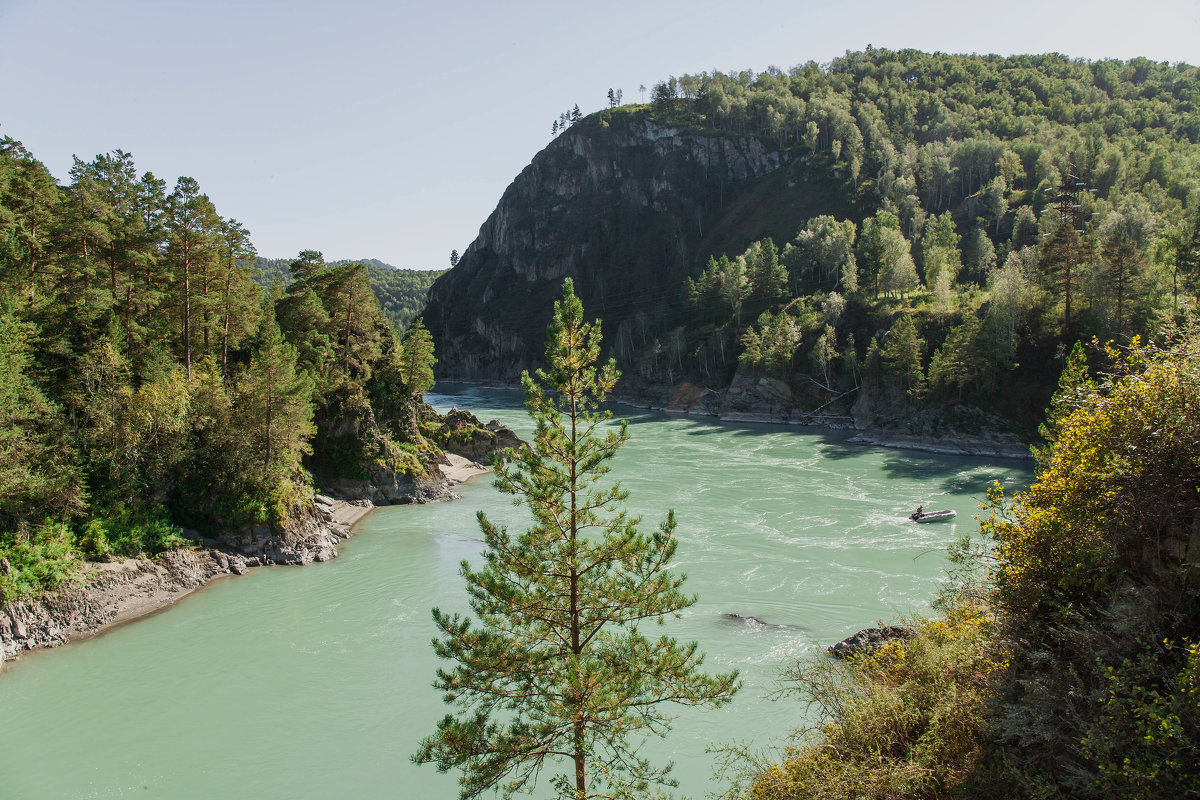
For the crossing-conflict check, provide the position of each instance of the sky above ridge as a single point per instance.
(389, 130)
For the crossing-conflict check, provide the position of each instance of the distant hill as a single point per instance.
(1006, 207)
(401, 292)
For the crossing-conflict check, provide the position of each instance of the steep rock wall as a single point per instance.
(624, 205)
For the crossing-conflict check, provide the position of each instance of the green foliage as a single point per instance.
(1146, 740)
(36, 561)
(721, 290)
(124, 532)
(769, 345)
(275, 401)
(940, 248)
(766, 277)
(970, 358)
(1094, 570)
(822, 255)
(902, 355)
(39, 471)
(554, 664)
(164, 392)
(416, 359)
(1121, 477)
(401, 292)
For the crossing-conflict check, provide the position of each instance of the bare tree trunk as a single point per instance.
(187, 312)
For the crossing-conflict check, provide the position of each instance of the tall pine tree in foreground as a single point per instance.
(555, 668)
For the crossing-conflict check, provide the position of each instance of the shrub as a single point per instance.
(908, 720)
(36, 561)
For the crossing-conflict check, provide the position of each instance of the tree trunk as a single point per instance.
(187, 311)
(267, 458)
(225, 331)
(580, 756)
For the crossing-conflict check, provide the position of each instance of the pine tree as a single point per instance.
(902, 355)
(556, 665)
(417, 359)
(240, 296)
(274, 402)
(193, 225)
(767, 277)
(1125, 266)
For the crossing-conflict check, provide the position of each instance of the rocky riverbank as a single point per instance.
(768, 400)
(950, 445)
(122, 590)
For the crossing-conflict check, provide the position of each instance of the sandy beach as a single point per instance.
(460, 469)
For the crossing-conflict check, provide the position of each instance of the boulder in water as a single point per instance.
(868, 640)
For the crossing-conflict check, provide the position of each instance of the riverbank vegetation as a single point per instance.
(1071, 670)
(148, 384)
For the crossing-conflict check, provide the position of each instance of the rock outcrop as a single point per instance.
(625, 205)
(464, 435)
(868, 640)
(312, 535)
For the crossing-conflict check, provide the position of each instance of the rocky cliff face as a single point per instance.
(627, 207)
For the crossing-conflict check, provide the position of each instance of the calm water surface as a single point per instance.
(315, 682)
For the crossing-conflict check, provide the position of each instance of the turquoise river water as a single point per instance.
(314, 682)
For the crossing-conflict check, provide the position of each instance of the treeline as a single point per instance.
(148, 383)
(401, 292)
(1008, 205)
(922, 132)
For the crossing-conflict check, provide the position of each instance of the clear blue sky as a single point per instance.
(365, 128)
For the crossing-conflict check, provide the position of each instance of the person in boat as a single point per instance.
(920, 512)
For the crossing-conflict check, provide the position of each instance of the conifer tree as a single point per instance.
(767, 277)
(417, 359)
(239, 293)
(192, 224)
(902, 355)
(39, 472)
(556, 666)
(274, 402)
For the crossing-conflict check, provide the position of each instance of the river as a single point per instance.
(314, 682)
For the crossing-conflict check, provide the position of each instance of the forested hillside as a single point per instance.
(400, 292)
(910, 231)
(149, 384)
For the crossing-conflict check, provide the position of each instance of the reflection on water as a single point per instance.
(315, 682)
